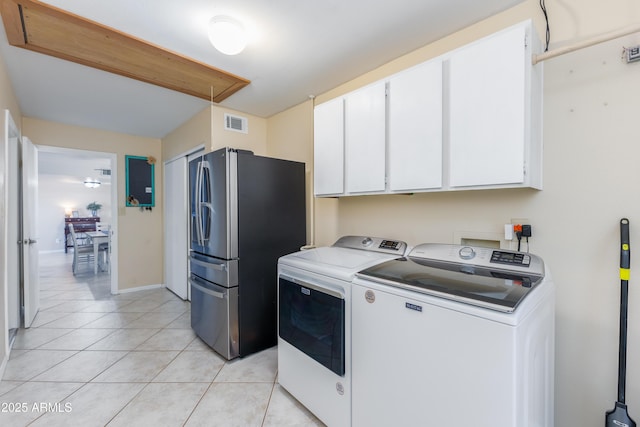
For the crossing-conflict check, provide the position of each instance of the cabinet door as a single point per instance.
(328, 148)
(365, 139)
(487, 110)
(415, 128)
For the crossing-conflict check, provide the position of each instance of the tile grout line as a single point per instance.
(266, 411)
(75, 297)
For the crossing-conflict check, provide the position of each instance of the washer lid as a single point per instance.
(340, 257)
(493, 288)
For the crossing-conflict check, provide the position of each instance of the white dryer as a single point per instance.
(454, 335)
(314, 321)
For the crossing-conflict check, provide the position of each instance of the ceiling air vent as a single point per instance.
(236, 123)
(104, 172)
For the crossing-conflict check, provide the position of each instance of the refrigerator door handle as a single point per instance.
(198, 213)
(206, 229)
(206, 291)
(205, 176)
(220, 267)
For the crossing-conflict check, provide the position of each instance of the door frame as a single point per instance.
(113, 159)
(29, 233)
(8, 222)
(14, 222)
(189, 155)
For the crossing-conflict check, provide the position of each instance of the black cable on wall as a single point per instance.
(546, 18)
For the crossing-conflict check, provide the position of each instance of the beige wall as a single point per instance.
(295, 143)
(139, 232)
(255, 139)
(290, 136)
(207, 128)
(8, 99)
(194, 132)
(590, 172)
(591, 175)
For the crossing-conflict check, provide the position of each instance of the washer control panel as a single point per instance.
(476, 256)
(511, 258)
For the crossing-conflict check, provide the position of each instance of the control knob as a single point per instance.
(467, 253)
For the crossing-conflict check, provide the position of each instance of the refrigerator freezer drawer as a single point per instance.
(218, 271)
(214, 316)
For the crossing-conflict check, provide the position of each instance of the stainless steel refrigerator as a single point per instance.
(246, 212)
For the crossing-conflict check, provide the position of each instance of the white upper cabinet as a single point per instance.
(365, 139)
(491, 129)
(415, 128)
(469, 119)
(328, 148)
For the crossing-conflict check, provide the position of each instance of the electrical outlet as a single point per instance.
(508, 232)
(633, 53)
(520, 221)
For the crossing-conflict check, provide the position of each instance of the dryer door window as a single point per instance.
(313, 322)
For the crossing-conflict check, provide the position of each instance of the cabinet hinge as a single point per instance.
(526, 41)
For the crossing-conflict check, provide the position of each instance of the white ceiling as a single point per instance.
(298, 48)
(72, 166)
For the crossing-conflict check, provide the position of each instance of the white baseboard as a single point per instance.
(140, 288)
(3, 365)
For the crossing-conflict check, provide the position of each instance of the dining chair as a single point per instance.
(105, 248)
(81, 252)
(103, 226)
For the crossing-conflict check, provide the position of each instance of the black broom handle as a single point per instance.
(625, 264)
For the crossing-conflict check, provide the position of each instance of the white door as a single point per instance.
(4, 336)
(176, 227)
(13, 232)
(31, 283)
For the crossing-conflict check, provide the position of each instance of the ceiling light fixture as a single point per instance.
(91, 183)
(227, 34)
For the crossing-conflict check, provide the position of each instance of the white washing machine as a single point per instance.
(314, 321)
(454, 335)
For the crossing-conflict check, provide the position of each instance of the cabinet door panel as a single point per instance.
(365, 139)
(328, 148)
(487, 111)
(415, 128)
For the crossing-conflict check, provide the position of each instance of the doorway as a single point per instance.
(70, 182)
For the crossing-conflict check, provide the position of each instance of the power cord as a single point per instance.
(546, 18)
(518, 230)
(522, 230)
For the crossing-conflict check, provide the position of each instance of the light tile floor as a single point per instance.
(95, 359)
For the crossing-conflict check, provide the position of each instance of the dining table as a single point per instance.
(97, 238)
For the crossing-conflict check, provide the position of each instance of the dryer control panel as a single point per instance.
(375, 244)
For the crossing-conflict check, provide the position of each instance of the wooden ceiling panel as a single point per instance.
(45, 29)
